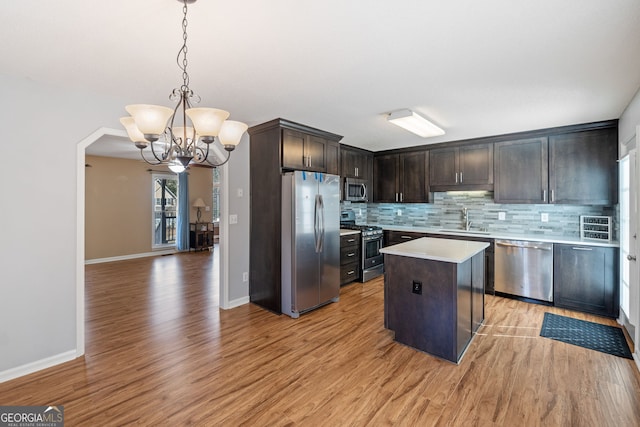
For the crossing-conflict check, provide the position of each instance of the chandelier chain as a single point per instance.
(182, 53)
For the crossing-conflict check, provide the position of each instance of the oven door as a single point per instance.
(371, 255)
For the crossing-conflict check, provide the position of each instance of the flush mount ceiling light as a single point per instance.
(181, 135)
(413, 122)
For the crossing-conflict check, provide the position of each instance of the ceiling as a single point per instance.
(475, 68)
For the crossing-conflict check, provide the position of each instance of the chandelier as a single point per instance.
(181, 135)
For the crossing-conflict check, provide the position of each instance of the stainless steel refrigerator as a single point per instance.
(310, 241)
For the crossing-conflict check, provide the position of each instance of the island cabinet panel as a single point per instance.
(441, 318)
(585, 278)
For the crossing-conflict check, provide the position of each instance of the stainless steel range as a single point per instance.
(371, 260)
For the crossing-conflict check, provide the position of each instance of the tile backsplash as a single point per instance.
(446, 212)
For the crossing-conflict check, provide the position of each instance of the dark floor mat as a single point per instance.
(594, 336)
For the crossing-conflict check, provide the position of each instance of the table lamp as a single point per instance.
(199, 203)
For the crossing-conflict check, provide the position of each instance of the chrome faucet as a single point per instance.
(465, 218)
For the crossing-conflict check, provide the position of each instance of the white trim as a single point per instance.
(38, 365)
(80, 222)
(131, 256)
(237, 302)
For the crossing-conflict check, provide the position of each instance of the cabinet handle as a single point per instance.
(401, 197)
(357, 172)
(351, 272)
(396, 197)
(351, 240)
(351, 254)
(456, 177)
(551, 196)
(406, 237)
(581, 249)
(544, 195)
(460, 177)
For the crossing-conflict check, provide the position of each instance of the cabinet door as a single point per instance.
(476, 164)
(521, 171)
(385, 178)
(348, 159)
(583, 168)
(293, 149)
(314, 151)
(443, 166)
(413, 177)
(332, 156)
(585, 279)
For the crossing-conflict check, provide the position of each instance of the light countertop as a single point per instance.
(446, 250)
(501, 235)
(346, 232)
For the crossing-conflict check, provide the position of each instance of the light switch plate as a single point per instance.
(502, 216)
(544, 217)
(233, 219)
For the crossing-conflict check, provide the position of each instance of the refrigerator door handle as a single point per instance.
(316, 223)
(319, 223)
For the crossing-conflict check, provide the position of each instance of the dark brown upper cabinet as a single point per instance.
(301, 151)
(583, 168)
(355, 163)
(401, 178)
(576, 168)
(521, 171)
(467, 167)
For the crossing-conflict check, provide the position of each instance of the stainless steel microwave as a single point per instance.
(355, 190)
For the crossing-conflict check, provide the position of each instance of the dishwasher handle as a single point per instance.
(525, 246)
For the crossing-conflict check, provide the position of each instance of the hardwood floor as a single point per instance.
(160, 352)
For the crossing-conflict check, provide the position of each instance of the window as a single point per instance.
(165, 210)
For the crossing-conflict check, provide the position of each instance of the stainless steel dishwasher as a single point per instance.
(524, 268)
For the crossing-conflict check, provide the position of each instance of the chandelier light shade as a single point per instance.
(181, 135)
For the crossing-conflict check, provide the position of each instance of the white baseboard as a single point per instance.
(131, 256)
(236, 303)
(38, 365)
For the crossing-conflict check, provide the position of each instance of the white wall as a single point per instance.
(42, 126)
(238, 261)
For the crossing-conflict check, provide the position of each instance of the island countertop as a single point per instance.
(446, 250)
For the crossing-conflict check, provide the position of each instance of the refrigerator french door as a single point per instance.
(310, 241)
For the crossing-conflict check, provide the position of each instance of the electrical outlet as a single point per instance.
(399, 213)
(544, 217)
(417, 287)
(502, 216)
(245, 277)
(233, 219)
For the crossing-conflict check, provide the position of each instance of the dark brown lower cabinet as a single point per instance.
(349, 258)
(585, 278)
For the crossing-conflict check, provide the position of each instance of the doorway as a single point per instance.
(629, 262)
(119, 136)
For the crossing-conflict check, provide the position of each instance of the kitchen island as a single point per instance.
(434, 294)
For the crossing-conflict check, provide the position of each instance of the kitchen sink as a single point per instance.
(453, 230)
